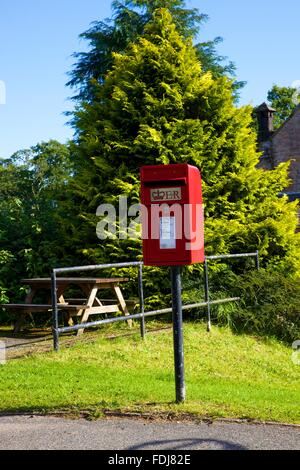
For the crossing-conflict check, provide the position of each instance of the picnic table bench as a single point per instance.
(81, 308)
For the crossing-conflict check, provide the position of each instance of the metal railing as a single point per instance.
(142, 314)
(206, 278)
(55, 327)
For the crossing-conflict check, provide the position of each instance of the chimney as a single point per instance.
(265, 116)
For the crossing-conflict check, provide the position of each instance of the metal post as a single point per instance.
(141, 297)
(54, 312)
(257, 260)
(178, 333)
(206, 290)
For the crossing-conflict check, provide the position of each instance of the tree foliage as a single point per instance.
(32, 194)
(158, 106)
(130, 18)
(284, 100)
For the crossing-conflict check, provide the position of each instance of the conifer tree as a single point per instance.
(129, 20)
(157, 106)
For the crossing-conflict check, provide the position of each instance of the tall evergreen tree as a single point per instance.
(130, 18)
(157, 106)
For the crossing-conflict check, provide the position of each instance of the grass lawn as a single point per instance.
(227, 375)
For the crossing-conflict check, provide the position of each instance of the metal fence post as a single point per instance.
(206, 290)
(178, 333)
(54, 312)
(141, 297)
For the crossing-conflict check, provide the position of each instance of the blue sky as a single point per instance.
(37, 38)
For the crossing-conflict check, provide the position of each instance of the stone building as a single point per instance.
(281, 145)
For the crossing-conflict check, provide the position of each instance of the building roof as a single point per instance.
(296, 110)
(265, 107)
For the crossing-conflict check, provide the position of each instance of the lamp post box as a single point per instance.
(172, 215)
(173, 235)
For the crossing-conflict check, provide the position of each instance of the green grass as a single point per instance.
(227, 375)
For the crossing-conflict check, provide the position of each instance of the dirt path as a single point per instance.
(40, 340)
(25, 343)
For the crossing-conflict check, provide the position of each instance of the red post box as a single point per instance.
(172, 215)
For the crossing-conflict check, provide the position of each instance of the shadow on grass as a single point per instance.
(25, 334)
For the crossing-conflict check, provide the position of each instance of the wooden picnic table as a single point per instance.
(91, 305)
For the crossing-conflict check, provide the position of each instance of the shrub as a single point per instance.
(270, 304)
